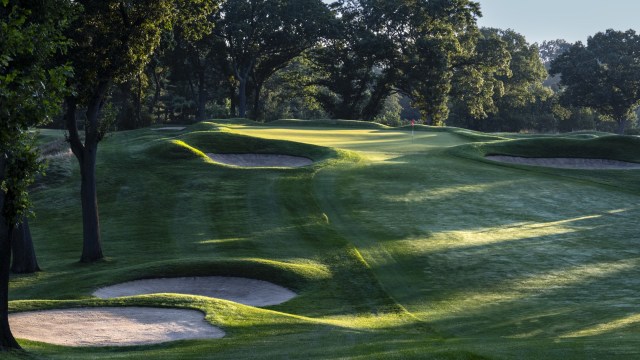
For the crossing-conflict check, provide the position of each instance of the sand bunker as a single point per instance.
(240, 290)
(568, 163)
(122, 326)
(261, 160)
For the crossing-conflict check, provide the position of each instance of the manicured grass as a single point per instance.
(399, 246)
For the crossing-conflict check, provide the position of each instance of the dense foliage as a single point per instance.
(351, 59)
(31, 89)
(603, 75)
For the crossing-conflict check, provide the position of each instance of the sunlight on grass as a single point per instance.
(603, 328)
(369, 322)
(191, 149)
(366, 140)
(458, 239)
(440, 193)
(520, 231)
(527, 287)
(222, 241)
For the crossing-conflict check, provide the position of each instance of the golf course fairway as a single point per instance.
(397, 243)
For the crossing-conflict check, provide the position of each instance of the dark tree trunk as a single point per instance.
(243, 78)
(242, 97)
(256, 100)
(156, 94)
(138, 103)
(7, 341)
(233, 106)
(91, 244)
(622, 124)
(24, 259)
(86, 154)
(375, 103)
(202, 95)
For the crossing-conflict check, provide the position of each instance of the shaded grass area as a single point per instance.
(625, 148)
(399, 246)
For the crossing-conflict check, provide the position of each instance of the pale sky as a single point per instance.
(572, 20)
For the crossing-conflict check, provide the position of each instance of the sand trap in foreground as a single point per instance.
(261, 160)
(123, 326)
(568, 163)
(244, 291)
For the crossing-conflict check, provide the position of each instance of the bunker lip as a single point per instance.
(112, 326)
(241, 290)
(567, 163)
(260, 160)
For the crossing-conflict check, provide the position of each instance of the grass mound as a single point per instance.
(622, 148)
(198, 143)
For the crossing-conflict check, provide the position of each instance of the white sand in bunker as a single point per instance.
(261, 160)
(122, 326)
(241, 290)
(568, 163)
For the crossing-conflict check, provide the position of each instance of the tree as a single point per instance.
(441, 32)
(114, 41)
(385, 46)
(479, 76)
(256, 38)
(549, 51)
(24, 259)
(291, 94)
(519, 95)
(430, 39)
(604, 75)
(391, 111)
(189, 56)
(523, 84)
(352, 67)
(30, 92)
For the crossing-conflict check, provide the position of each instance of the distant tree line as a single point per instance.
(371, 60)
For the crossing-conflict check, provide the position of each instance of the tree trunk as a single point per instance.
(24, 255)
(202, 95)
(156, 94)
(622, 124)
(86, 154)
(91, 244)
(242, 97)
(138, 103)
(375, 103)
(256, 100)
(7, 341)
(243, 78)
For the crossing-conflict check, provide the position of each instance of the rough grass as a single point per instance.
(399, 246)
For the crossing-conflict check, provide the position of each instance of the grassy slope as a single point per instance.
(428, 251)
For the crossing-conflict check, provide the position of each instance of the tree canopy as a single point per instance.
(603, 75)
(31, 89)
(255, 38)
